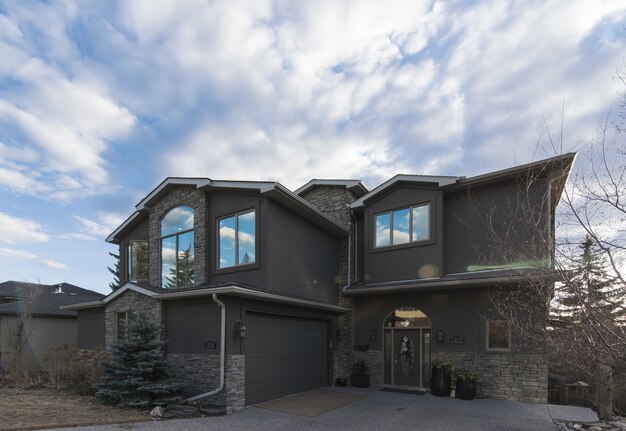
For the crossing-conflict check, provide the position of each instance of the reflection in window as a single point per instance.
(403, 226)
(237, 240)
(177, 252)
(498, 335)
(138, 260)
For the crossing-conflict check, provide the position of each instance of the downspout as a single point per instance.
(350, 253)
(222, 353)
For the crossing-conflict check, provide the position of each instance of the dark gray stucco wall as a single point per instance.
(91, 328)
(455, 312)
(193, 326)
(407, 261)
(140, 232)
(302, 259)
(470, 215)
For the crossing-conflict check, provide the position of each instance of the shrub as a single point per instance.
(74, 369)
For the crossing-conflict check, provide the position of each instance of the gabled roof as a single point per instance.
(47, 298)
(439, 181)
(274, 190)
(355, 186)
(558, 166)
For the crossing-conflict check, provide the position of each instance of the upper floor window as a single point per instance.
(403, 226)
(237, 243)
(177, 254)
(138, 261)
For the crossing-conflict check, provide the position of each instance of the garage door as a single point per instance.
(284, 355)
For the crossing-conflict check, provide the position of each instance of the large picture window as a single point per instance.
(237, 240)
(498, 335)
(402, 226)
(177, 253)
(138, 261)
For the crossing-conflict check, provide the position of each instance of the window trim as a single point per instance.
(176, 234)
(127, 251)
(497, 349)
(411, 243)
(117, 324)
(237, 266)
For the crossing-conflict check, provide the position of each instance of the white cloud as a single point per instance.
(20, 230)
(49, 263)
(89, 230)
(16, 254)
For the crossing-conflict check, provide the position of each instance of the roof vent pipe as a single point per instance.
(222, 353)
(58, 288)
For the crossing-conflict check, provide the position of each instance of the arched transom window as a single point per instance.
(177, 253)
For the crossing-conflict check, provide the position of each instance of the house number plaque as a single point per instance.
(458, 339)
(210, 345)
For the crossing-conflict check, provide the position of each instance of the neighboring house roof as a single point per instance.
(274, 190)
(355, 186)
(496, 277)
(47, 298)
(234, 289)
(559, 164)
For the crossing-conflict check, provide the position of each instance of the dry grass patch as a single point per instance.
(47, 408)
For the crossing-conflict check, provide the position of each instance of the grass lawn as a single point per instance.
(47, 408)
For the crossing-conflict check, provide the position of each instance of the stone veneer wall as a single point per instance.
(135, 302)
(508, 376)
(374, 360)
(333, 201)
(201, 373)
(177, 196)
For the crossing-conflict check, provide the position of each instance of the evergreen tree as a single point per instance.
(137, 373)
(246, 258)
(591, 291)
(115, 284)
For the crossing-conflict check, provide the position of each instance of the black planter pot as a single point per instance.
(440, 382)
(465, 389)
(359, 380)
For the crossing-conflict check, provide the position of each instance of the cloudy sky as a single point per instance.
(99, 101)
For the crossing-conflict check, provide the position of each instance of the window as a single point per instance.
(402, 226)
(138, 261)
(237, 244)
(122, 319)
(498, 335)
(177, 253)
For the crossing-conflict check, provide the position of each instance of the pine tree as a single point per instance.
(115, 284)
(137, 373)
(591, 291)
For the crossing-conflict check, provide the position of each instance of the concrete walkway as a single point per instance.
(376, 411)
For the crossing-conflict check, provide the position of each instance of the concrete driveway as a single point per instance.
(376, 411)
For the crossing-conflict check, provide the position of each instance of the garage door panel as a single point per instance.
(284, 355)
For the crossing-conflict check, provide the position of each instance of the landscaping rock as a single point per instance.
(213, 411)
(182, 411)
(157, 412)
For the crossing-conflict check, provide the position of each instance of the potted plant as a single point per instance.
(441, 378)
(360, 377)
(466, 385)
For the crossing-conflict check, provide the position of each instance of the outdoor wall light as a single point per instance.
(242, 328)
(373, 336)
(440, 336)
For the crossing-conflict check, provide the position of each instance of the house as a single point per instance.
(30, 317)
(262, 292)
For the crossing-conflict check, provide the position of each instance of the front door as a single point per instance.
(406, 357)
